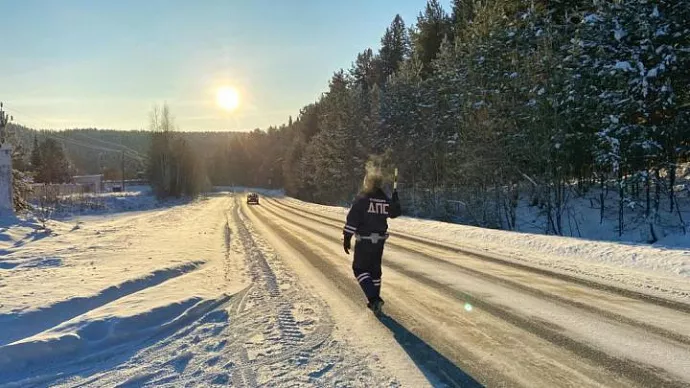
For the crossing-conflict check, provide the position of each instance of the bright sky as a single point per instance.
(104, 64)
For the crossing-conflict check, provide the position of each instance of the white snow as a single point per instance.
(136, 198)
(591, 18)
(655, 12)
(17, 231)
(619, 33)
(623, 65)
(79, 290)
(120, 322)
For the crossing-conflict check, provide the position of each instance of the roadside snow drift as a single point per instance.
(32, 321)
(101, 330)
(102, 283)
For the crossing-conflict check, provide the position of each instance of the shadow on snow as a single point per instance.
(439, 370)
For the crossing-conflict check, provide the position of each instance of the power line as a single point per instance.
(132, 154)
(111, 143)
(93, 147)
(90, 146)
(29, 116)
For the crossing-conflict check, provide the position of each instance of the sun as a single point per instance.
(228, 98)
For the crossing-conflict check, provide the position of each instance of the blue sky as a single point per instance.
(105, 64)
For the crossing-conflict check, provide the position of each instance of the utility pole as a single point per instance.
(123, 171)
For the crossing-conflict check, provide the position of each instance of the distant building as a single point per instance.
(116, 185)
(92, 183)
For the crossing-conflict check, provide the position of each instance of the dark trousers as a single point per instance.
(367, 267)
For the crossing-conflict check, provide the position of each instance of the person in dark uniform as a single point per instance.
(367, 222)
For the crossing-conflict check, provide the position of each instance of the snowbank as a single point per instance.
(17, 231)
(88, 289)
(35, 319)
(660, 259)
(136, 198)
(103, 329)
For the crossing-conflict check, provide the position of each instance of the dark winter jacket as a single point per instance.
(369, 214)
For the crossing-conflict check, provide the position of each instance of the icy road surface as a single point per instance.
(503, 322)
(221, 293)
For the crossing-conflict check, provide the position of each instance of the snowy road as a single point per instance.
(185, 296)
(500, 322)
(217, 292)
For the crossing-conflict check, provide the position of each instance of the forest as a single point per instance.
(496, 102)
(480, 107)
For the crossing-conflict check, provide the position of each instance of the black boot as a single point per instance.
(375, 305)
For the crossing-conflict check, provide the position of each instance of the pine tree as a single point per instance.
(395, 48)
(36, 160)
(433, 26)
(333, 171)
(365, 70)
(54, 166)
(462, 12)
(20, 182)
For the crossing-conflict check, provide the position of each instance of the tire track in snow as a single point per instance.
(265, 295)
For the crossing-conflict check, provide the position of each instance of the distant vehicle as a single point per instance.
(252, 198)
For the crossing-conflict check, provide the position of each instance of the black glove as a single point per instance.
(395, 198)
(347, 243)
